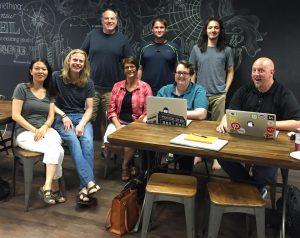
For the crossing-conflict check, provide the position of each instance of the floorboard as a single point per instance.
(67, 220)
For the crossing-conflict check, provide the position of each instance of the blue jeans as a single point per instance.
(261, 175)
(81, 148)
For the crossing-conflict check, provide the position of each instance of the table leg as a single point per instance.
(285, 175)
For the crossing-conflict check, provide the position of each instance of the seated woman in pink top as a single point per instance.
(127, 103)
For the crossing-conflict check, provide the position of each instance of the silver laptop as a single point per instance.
(167, 111)
(251, 123)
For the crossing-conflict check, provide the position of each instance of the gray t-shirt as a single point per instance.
(211, 67)
(34, 110)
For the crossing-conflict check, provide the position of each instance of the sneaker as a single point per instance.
(264, 192)
(170, 157)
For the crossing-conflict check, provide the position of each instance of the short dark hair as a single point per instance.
(187, 65)
(160, 19)
(130, 60)
(109, 8)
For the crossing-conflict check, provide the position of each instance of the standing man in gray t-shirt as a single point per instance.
(213, 62)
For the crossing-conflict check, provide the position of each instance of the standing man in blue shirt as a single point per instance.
(105, 47)
(158, 58)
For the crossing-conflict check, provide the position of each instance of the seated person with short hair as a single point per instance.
(127, 103)
(196, 101)
(263, 94)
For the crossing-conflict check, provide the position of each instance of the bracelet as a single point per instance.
(47, 125)
(64, 115)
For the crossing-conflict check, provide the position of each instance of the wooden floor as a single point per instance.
(67, 220)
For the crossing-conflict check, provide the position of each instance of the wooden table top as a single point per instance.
(242, 148)
(5, 111)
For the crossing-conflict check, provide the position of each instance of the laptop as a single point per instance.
(251, 123)
(167, 111)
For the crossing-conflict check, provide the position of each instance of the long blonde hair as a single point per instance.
(84, 74)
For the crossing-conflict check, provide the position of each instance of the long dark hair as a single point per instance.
(221, 43)
(48, 81)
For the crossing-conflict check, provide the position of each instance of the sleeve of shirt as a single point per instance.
(230, 57)
(193, 59)
(86, 43)
(238, 99)
(161, 92)
(148, 92)
(178, 52)
(140, 56)
(290, 108)
(200, 98)
(127, 49)
(19, 92)
(91, 89)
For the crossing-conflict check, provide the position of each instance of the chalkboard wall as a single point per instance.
(40, 28)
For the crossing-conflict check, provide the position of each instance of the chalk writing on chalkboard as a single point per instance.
(40, 28)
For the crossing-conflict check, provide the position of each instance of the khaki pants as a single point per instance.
(100, 101)
(216, 106)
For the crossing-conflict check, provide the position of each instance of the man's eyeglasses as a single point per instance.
(184, 74)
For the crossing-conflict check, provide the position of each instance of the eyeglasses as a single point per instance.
(184, 74)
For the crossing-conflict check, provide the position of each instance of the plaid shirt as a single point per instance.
(139, 94)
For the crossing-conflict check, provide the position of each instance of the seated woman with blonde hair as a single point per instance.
(74, 108)
(127, 103)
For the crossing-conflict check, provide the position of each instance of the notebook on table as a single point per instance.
(167, 111)
(251, 123)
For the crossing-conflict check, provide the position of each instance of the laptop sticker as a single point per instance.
(235, 125)
(271, 117)
(254, 116)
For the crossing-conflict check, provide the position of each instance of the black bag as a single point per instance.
(292, 211)
(4, 189)
(139, 183)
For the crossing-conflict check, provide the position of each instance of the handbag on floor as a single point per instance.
(124, 213)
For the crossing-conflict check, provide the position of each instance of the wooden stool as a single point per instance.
(175, 188)
(226, 197)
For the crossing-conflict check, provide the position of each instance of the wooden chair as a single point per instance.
(27, 159)
(227, 197)
(175, 188)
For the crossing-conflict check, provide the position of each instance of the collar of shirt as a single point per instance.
(188, 90)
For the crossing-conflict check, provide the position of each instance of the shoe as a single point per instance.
(170, 157)
(92, 190)
(83, 199)
(264, 192)
(58, 197)
(47, 196)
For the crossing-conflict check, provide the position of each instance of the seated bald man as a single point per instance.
(263, 94)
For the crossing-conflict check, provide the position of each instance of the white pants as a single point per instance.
(110, 129)
(50, 146)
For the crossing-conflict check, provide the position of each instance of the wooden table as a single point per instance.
(240, 148)
(5, 117)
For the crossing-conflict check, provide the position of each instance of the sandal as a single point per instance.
(125, 174)
(58, 197)
(83, 199)
(92, 190)
(46, 195)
